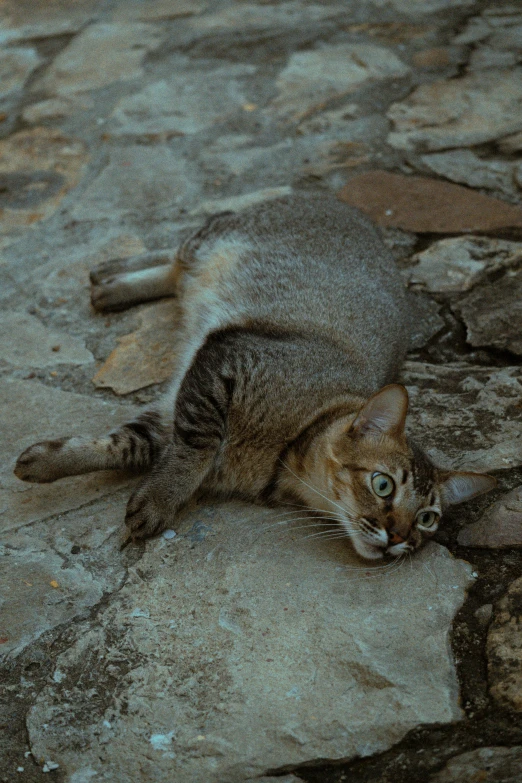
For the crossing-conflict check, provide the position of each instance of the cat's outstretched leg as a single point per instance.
(122, 283)
(134, 446)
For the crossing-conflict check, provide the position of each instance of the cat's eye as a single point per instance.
(427, 519)
(382, 485)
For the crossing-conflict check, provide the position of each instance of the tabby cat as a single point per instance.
(293, 319)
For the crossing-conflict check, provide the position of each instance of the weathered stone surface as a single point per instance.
(474, 109)
(99, 55)
(57, 569)
(137, 179)
(16, 65)
(29, 412)
(511, 144)
(26, 342)
(56, 108)
(427, 205)
(455, 265)
(484, 765)
(420, 7)
(146, 356)
(29, 19)
(493, 313)
(237, 203)
(187, 103)
(223, 683)
(504, 650)
(312, 78)
(499, 527)
(249, 16)
(156, 10)
(467, 168)
(38, 167)
(466, 416)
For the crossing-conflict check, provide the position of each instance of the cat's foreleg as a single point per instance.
(200, 423)
(134, 446)
(122, 283)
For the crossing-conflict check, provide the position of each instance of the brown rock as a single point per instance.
(438, 57)
(493, 313)
(426, 205)
(145, 356)
(484, 765)
(504, 650)
(499, 527)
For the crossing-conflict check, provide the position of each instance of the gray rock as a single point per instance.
(26, 342)
(466, 416)
(222, 662)
(30, 411)
(32, 19)
(511, 144)
(467, 168)
(157, 10)
(490, 765)
(99, 55)
(499, 527)
(16, 65)
(473, 109)
(483, 614)
(421, 7)
(261, 17)
(504, 650)
(188, 102)
(311, 78)
(56, 108)
(493, 313)
(456, 265)
(426, 319)
(165, 180)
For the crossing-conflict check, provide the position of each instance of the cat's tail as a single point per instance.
(133, 446)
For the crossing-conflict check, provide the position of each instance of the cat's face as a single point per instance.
(388, 493)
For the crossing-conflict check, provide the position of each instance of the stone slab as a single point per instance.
(474, 109)
(137, 180)
(56, 570)
(499, 527)
(38, 167)
(16, 65)
(191, 100)
(29, 19)
(427, 205)
(259, 17)
(217, 660)
(157, 10)
(465, 167)
(56, 108)
(487, 765)
(146, 356)
(465, 416)
(312, 78)
(504, 650)
(26, 342)
(493, 313)
(237, 203)
(29, 412)
(100, 55)
(453, 266)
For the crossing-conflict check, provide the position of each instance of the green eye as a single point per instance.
(382, 485)
(427, 519)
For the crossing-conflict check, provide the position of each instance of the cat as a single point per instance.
(294, 325)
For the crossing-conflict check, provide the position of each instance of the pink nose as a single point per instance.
(394, 538)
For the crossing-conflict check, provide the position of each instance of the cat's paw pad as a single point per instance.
(38, 463)
(144, 517)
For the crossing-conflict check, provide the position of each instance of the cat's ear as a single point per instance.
(384, 413)
(457, 487)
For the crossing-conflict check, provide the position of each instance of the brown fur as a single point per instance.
(293, 316)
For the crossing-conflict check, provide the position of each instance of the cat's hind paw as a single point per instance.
(40, 463)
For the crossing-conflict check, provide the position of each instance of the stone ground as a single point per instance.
(240, 648)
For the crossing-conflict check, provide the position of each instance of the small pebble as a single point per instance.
(19, 769)
(168, 534)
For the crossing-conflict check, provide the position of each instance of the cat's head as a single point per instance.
(393, 494)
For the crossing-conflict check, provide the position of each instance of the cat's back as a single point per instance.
(308, 263)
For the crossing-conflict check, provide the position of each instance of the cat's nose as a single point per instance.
(394, 538)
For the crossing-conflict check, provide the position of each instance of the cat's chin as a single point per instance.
(367, 551)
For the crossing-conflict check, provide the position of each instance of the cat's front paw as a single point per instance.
(40, 463)
(145, 516)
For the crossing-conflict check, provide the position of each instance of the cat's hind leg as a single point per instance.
(122, 283)
(133, 446)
